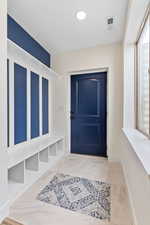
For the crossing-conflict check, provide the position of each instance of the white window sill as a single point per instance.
(141, 146)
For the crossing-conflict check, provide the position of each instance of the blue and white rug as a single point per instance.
(78, 195)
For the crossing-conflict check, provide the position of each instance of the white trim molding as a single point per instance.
(82, 72)
(141, 146)
(3, 111)
(24, 59)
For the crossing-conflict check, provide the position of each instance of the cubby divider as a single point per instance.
(53, 150)
(59, 146)
(32, 163)
(43, 155)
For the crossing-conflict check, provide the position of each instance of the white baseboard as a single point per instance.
(4, 211)
(130, 196)
(113, 159)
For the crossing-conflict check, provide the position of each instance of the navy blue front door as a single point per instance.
(89, 114)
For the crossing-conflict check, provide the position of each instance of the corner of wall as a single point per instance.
(130, 195)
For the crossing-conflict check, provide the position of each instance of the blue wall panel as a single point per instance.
(19, 36)
(20, 104)
(45, 110)
(34, 105)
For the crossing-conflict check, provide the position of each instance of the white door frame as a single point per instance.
(77, 72)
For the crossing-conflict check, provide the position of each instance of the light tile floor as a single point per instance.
(29, 211)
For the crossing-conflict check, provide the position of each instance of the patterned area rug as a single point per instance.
(79, 195)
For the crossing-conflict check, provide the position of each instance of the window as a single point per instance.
(143, 78)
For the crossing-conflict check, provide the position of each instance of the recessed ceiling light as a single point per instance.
(81, 15)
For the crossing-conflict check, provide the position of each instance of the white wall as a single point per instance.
(105, 56)
(3, 109)
(137, 179)
(138, 183)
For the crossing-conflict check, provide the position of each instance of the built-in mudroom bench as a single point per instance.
(32, 149)
(28, 163)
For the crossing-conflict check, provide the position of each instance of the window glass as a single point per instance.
(143, 46)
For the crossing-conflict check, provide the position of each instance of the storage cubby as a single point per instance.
(43, 155)
(53, 150)
(16, 173)
(32, 163)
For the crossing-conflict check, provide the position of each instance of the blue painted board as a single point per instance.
(23, 39)
(34, 105)
(45, 111)
(88, 114)
(20, 104)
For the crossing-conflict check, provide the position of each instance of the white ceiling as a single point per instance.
(53, 22)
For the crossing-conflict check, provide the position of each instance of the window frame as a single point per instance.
(146, 18)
